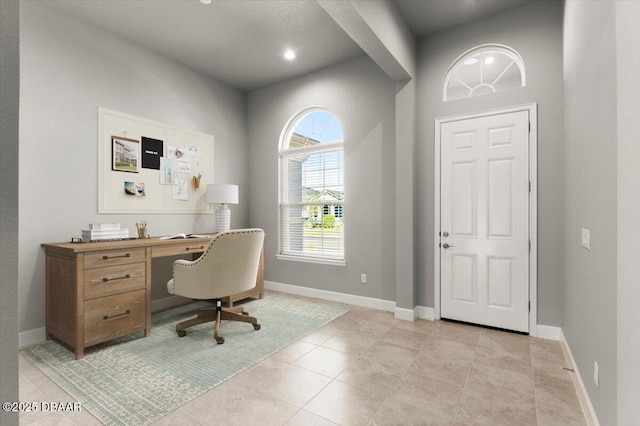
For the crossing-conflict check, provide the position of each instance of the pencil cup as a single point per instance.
(142, 232)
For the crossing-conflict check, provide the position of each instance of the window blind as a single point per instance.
(312, 203)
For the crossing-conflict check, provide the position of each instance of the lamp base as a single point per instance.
(223, 218)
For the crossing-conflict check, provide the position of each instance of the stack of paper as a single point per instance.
(104, 232)
(104, 227)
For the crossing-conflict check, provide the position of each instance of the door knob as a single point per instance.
(446, 245)
(445, 234)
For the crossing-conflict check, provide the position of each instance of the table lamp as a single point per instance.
(222, 194)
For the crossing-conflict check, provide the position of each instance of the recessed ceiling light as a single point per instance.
(289, 55)
(470, 61)
(489, 60)
(205, 1)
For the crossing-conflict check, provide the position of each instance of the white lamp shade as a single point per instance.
(222, 193)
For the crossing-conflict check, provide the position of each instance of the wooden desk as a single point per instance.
(99, 291)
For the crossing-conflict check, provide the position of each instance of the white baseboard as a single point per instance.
(548, 332)
(168, 303)
(367, 302)
(581, 390)
(426, 312)
(29, 337)
(422, 312)
(406, 314)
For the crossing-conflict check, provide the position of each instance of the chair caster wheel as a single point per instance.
(181, 333)
(256, 326)
(220, 340)
(245, 313)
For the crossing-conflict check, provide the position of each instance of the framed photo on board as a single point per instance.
(125, 154)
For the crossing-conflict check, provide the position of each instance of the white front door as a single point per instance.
(484, 220)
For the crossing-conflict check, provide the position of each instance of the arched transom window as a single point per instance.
(311, 201)
(484, 69)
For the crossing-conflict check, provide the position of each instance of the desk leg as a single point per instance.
(147, 327)
(79, 303)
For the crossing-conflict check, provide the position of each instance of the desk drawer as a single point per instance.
(113, 257)
(110, 280)
(113, 316)
(179, 249)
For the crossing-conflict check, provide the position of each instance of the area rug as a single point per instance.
(137, 380)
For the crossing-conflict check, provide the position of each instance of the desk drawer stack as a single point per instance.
(107, 290)
(114, 294)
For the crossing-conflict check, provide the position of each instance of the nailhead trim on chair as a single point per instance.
(222, 234)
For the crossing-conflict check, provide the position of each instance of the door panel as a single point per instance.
(464, 200)
(465, 276)
(463, 141)
(500, 137)
(485, 211)
(501, 282)
(501, 198)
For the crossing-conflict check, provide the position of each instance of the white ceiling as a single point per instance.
(241, 42)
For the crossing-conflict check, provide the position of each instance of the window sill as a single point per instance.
(311, 260)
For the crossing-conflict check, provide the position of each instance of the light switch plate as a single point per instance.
(586, 239)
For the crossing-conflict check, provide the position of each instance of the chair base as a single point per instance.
(217, 314)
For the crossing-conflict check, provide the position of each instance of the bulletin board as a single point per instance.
(145, 166)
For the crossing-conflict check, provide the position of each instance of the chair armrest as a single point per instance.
(187, 279)
(183, 262)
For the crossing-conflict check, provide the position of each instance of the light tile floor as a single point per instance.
(367, 368)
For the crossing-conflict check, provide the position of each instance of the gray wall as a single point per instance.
(590, 187)
(68, 70)
(535, 31)
(362, 97)
(628, 60)
(405, 163)
(10, 89)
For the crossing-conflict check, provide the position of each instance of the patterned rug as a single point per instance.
(136, 380)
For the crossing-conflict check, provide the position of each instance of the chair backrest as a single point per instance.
(228, 266)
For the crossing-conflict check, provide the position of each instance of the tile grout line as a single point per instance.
(533, 378)
(321, 389)
(389, 395)
(466, 381)
(313, 397)
(306, 369)
(402, 377)
(333, 379)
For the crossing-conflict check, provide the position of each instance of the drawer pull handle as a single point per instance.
(124, 277)
(105, 257)
(194, 248)
(106, 317)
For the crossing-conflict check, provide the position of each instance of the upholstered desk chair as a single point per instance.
(228, 266)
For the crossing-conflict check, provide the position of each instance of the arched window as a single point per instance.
(484, 69)
(311, 159)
